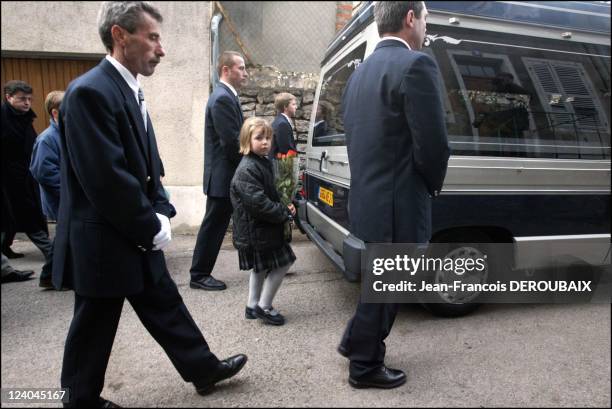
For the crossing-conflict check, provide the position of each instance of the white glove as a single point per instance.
(163, 238)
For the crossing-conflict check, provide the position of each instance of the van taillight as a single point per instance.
(303, 189)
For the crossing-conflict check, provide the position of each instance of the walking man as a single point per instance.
(224, 119)
(114, 216)
(21, 210)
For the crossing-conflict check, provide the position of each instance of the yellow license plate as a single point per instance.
(326, 196)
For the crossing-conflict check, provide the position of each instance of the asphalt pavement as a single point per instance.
(528, 355)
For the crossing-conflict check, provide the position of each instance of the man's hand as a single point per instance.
(163, 238)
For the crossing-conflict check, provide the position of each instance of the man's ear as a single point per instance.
(118, 34)
(409, 19)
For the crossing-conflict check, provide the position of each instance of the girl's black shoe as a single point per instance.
(269, 316)
(249, 313)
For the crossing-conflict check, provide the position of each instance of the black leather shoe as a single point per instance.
(104, 403)
(267, 316)
(45, 283)
(383, 377)
(342, 350)
(208, 283)
(225, 370)
(17, 275)
(249, 313)
(9, 253)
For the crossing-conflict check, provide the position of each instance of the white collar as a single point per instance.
(126, 74)
(396, 39)
(288, 119)
(229, 86)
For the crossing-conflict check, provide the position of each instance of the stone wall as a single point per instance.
(257, 96)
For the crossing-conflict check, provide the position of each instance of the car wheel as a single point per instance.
(458, 303)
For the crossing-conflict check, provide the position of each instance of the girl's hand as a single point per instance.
(291, 209)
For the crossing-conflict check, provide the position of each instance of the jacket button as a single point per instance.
(148, 178)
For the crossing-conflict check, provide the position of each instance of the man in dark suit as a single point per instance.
(22, 210)
(224, 119)
(398, 153)
(284, 138)
(114, 217)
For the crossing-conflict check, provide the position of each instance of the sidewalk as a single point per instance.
(502, 355)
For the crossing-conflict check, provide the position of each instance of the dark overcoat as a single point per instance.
(21, 207)
(110, 190)
(397, 144)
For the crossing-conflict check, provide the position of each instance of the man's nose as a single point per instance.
(161, 52)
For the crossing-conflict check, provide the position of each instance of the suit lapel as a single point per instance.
(152, 149)
(131, 107)
(290, 124)
(236, 100)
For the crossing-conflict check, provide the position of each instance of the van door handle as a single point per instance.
(342, 162)
(323, 156)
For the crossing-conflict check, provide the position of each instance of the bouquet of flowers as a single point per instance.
(285, 181)
(286, 185)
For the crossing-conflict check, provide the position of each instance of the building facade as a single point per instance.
(54, 42)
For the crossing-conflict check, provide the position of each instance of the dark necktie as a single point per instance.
(143, 107)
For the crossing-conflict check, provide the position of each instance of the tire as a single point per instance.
(450, 310)
(450, 304)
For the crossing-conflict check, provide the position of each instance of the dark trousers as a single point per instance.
(41, 240)
(210, 237)
(90, 339)
(365, 335)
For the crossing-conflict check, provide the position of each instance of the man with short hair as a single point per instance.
(224, 119)
(398, 151)
(21, 211)
(284, 139)
(113, 220)
(45, 168)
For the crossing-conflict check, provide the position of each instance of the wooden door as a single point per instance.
(44, 75)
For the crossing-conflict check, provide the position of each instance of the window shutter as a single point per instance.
(564, 90)
(576, 91)
(550, 92)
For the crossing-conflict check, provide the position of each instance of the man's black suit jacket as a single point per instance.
(110, 190)
(224, 119)
(397, 144)
(283, 136)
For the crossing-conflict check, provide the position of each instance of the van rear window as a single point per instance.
(515, 96)
(328, 128)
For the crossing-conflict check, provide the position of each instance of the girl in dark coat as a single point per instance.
(258, 222)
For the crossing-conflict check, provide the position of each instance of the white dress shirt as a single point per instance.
(133, 83)
(230, 87)
(396, 39)
(288, 119)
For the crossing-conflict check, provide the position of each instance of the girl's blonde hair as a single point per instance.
(251, 125)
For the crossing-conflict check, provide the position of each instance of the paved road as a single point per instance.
(501, 355)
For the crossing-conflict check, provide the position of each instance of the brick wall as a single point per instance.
(344, 12)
